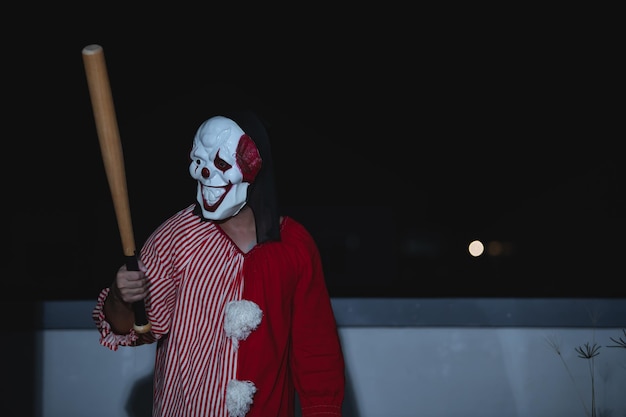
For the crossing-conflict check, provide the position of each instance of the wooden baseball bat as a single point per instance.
(113, 158)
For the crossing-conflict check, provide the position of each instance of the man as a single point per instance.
(234, 293)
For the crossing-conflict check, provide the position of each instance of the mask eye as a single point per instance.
(221, 164)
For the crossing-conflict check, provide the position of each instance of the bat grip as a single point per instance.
(142, 325)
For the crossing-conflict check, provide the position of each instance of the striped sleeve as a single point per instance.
(110, 339)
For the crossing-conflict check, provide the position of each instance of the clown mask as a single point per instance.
(224, 161)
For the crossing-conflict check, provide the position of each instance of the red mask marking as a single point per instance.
(248, 158)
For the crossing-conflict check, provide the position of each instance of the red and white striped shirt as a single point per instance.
(195, 270)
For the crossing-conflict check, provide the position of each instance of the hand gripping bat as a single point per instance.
(112, 156)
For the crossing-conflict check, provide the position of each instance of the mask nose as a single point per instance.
(205, 172)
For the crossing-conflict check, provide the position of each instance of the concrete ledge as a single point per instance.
(415, 312)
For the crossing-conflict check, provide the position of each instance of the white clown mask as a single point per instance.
(224, 161)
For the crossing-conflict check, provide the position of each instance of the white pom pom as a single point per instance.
(241, 318)
(239, 397)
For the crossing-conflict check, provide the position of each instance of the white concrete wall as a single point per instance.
(392, 372)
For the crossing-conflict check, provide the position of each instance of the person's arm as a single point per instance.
(118, 313)
(317, 359)
(127, 288)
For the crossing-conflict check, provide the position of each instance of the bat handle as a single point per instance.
(142, 325)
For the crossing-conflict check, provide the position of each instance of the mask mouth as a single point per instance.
(212, 197)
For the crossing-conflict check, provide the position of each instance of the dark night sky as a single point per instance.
(395, 144)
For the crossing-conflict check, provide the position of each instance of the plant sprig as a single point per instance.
(619, 343)
(588, 351)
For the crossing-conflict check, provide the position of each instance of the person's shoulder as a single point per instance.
(290, 228)
(185, 212)
(178, 219)
(295, 238)
(288, 222)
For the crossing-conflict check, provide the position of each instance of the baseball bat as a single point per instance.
(113, 158)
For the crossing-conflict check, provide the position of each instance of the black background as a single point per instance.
(398, 137)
